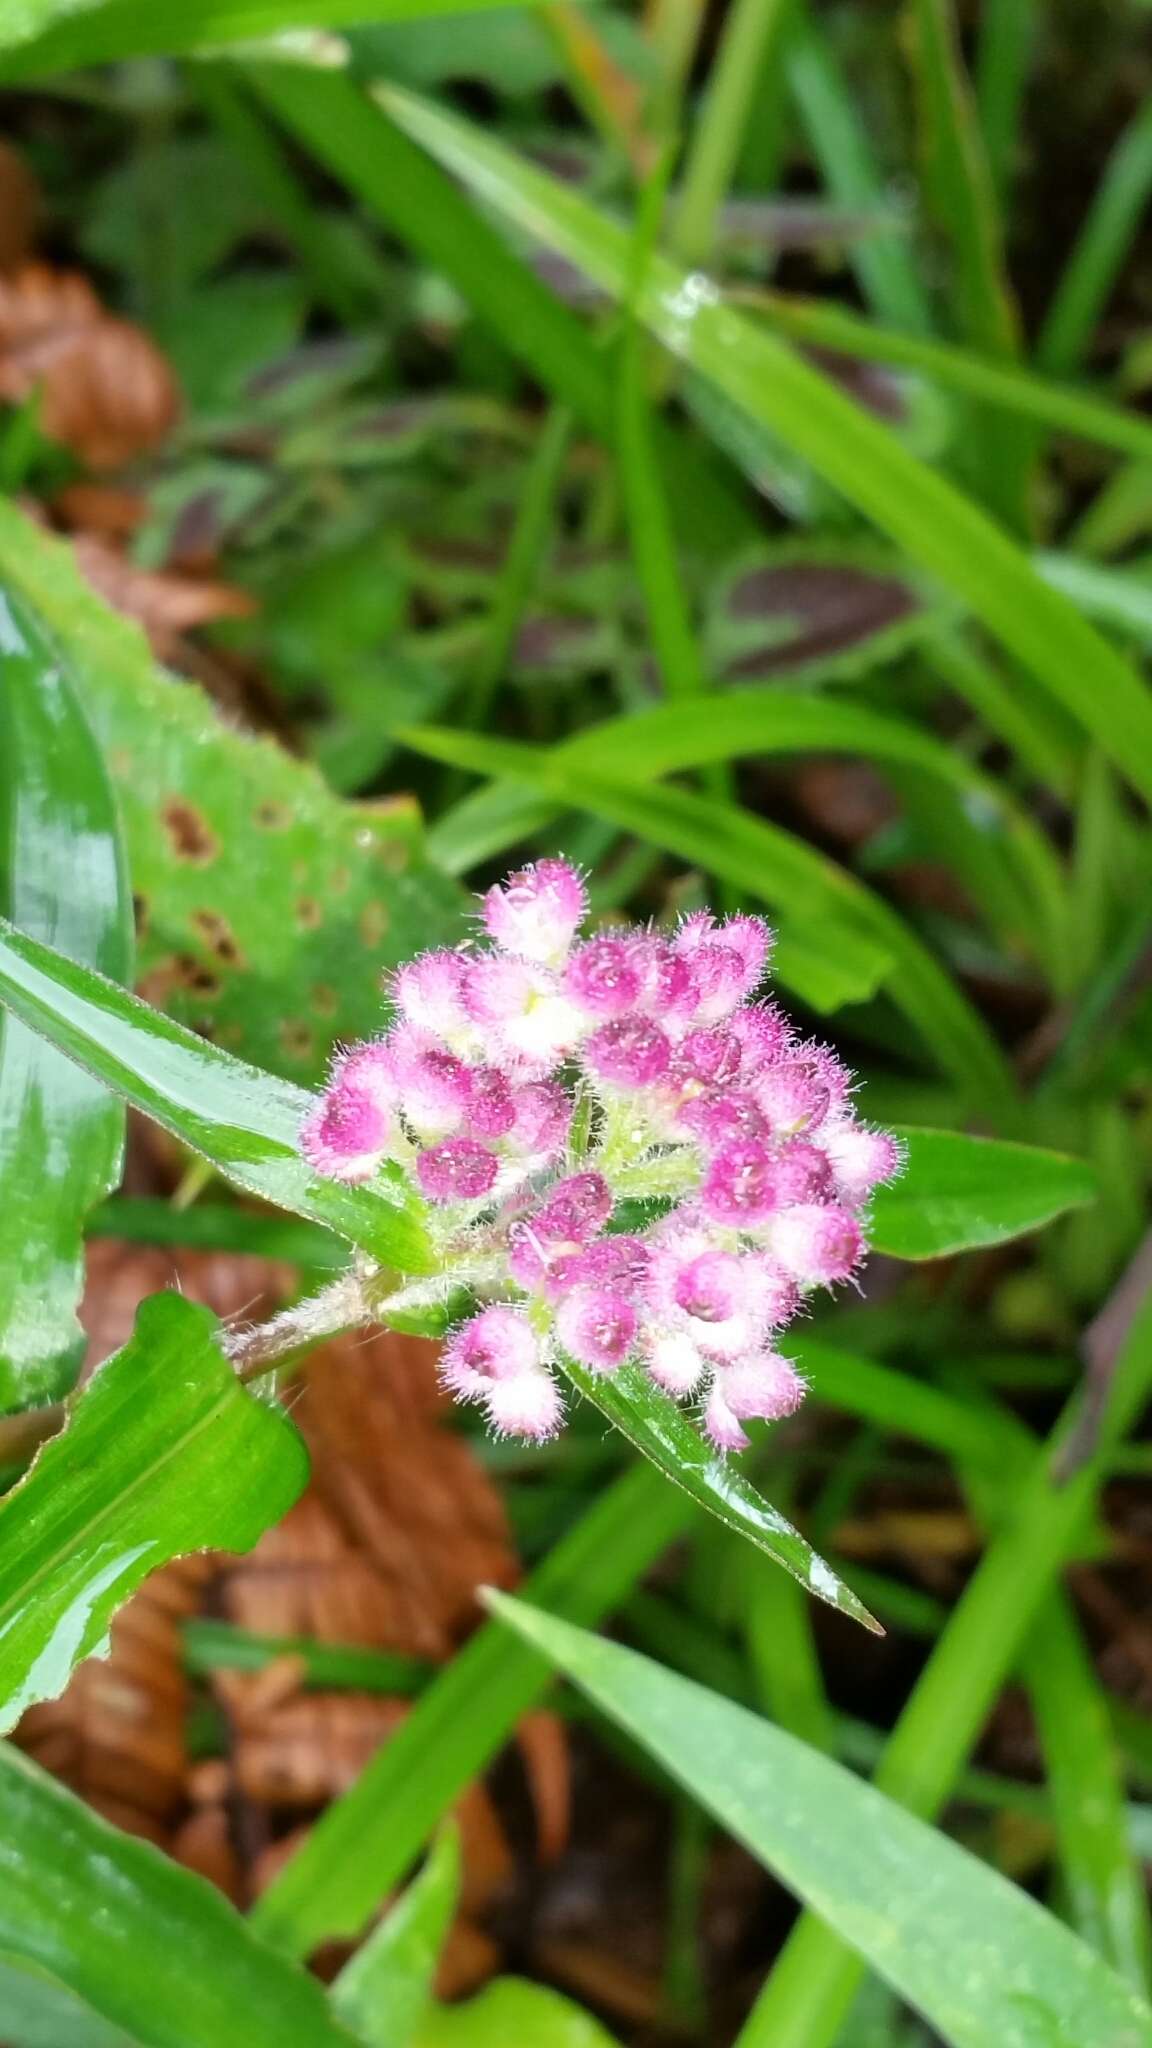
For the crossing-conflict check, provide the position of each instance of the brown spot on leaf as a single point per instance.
(218, 937)
(178, 974)
(272, 816)
(339, 881)
(373, 923)
(393, 853)
(309, 915)
(296, 1039)
(140, 915)
(189, 834)
(324, 999)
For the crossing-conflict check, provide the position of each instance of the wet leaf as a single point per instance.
(666, 1436)
(61, 1134)
(978, 1957)
(146, 1470)
(267, 909)
(957, 1193)
(245, 1121)
(150, 1955)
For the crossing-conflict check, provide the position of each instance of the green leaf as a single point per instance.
(1049, 1512)
(246, 1122)
(142, 1945)
(40, 2013)
(164, 1453)
(672, 737)
(957, 1193)
(666, 1436)
(832, 927)
(61, 1134)
(512, 2010)
(81, 32)
(978, 1957)
(267, 908)
(364, 1842)
(386, 1989)
(933, 522)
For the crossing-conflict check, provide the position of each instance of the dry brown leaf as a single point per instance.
(104, 509)
(166, 605)
(106, 391)
(19, 207)
(406, 1490)
(120, 1275)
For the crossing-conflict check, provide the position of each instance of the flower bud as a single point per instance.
(537, 912)
(459, 1170)
(598, 1326)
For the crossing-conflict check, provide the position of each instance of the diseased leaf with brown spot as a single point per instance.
(106, 392)
(235, 845)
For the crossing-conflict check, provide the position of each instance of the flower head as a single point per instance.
(535, 1084)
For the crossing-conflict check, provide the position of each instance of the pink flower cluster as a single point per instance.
(535, 1086)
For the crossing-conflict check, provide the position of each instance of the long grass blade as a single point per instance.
(934, 523)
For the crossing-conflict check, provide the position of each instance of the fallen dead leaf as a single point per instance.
(165, 604)
(106, 391)
(19, 207)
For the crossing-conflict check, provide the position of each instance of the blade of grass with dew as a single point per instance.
(671, 738)
(972, 1952)
(367, 1839)
(812, 1985)
(333, 119)
(1003, 55)
(771, 866)
(1099, 252)
(933, 522)
(885, 264)
(1005, 386)
(1107, 1895)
